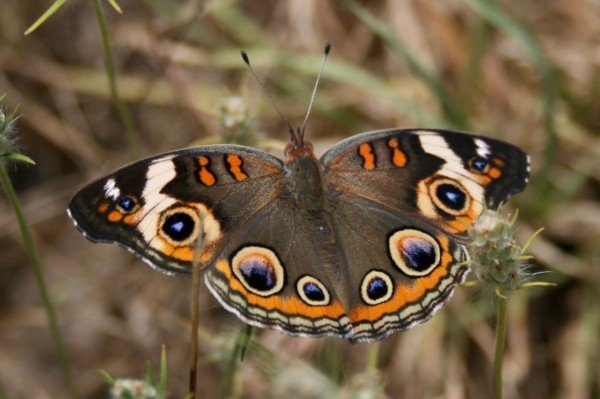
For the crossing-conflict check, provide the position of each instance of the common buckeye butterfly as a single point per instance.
(367, 240)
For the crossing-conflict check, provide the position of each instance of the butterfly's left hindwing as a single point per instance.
(276, 272)
(159, 206)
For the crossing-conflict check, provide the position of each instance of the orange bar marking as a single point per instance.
(398, 157)
(206, 176)
(365, 150)
(235, 167)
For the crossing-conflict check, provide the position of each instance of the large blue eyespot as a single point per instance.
(414, 252)
(127, 203)
(258, 269)
(451, 196)
(258, 273)
(418, 254)
(376, 287)
(178, 226)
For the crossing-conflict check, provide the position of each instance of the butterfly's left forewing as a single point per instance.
(158, 207)
(441, 177)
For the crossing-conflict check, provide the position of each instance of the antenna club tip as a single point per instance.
(327, 48)
(245, 57)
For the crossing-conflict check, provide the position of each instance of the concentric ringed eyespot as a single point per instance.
(259, 270)
(127, 204)
(449, 196)
(376, 287)
(414, 252)
(179, 226)
(312, 291)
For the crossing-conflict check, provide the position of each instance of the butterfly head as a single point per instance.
(298, 146)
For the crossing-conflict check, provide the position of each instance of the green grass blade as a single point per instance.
(122, 110)
(49, 12)
(59, 346)
(116, 6)
(161, 388)
(18, 157)
(107, 377)
(452, 110)
(492, 13)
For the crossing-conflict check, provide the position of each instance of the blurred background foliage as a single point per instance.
(523, 71)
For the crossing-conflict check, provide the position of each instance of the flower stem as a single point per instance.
(122, 110)
(500, 341)
(35, 262)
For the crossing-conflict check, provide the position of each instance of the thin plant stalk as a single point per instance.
(501, 310)
(37, 268)
(195, 316)
(236, 357)
(122, 111)
(372, 357)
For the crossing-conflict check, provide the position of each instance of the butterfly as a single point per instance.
(364, 241)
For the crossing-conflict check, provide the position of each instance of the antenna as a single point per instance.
(247, 61)
(312, 97)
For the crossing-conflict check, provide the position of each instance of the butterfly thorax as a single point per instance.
(305, 183)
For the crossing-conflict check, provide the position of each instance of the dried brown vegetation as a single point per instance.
(176, 61)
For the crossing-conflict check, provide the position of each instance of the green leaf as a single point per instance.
(18, 157)
(49, 12)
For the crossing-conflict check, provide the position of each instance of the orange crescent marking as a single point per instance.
(398, 158)
(185, 253)
(235, 167)
(405, 294)
(133, 218)
(206, 177)
(366, 152)
(291, 305)
(115, 216)
(103, 207)
(458, 224)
